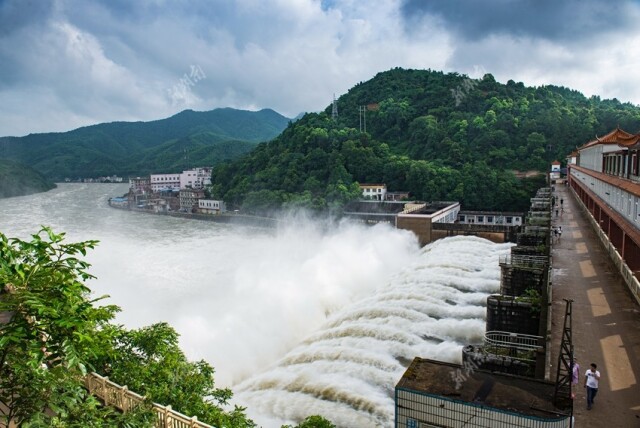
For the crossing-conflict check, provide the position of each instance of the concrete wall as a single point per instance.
(421, 226)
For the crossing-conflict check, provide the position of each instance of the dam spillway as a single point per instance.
(347, 369)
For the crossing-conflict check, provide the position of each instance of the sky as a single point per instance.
(71, 63)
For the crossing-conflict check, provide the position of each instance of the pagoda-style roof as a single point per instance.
(617, 136)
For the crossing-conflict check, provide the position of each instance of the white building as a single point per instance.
(196, 178)
(490, 217)
(165, 181)
(606, 180)
(376, 192)
(209, 206)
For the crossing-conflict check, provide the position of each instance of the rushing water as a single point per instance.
(298, 321)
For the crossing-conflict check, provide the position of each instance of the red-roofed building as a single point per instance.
(606, 178)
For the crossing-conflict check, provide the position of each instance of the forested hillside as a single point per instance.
(17, 180)
(439, 136)
(136, 148)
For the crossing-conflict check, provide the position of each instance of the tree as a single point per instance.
(314, 421)
(52, 333)
(149, 361)
(50, 330)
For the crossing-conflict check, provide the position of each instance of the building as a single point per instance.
(490, 217)
(606, 179)
(420, 218)
(397, 196)
(372, 212)
(376, 192)
(436, 394)
(209, 206)
(189, 199)
(196, 178)
(555, 171)
(157, 205)
(161, 182)
(140, 185)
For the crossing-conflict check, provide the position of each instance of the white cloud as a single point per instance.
(80, 63)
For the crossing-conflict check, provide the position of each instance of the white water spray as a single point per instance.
(347, 370)
(299, 321)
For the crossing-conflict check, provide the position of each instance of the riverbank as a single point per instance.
(228, 218)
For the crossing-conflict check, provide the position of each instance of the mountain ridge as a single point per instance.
(123, 148)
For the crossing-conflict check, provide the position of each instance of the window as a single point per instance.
(509, 220)
(489, 219)
(480, 219)
(462, 219)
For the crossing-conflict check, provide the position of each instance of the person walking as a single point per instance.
(591, 378)
(575, 377)
(559, 233)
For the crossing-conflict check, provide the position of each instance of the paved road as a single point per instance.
(606, 320)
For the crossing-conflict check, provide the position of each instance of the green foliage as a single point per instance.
(50, 331)
(532, 296)
(419, 138)
(150, 362)
(17, 180)
(313, 422)
(137, 148)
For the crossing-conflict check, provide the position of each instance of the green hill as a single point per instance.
(134, 148)
(17, 180)
(439, 136)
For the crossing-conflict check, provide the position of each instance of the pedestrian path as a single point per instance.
(606, 319)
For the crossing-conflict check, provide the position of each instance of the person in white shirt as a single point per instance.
(591, 378)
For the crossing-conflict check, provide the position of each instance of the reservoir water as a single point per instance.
(299, 320)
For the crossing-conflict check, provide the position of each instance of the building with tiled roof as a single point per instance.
(606, 178)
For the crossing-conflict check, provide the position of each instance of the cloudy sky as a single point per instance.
(69, 63)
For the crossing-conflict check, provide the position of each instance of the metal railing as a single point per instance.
(121, 398)
(538, 230)
(524, 260)
(515, 345)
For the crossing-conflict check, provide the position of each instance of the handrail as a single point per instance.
(121, 398)
(505, 339)
(413, 209)
(523, 260)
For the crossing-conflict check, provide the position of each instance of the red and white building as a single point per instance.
(606, 178)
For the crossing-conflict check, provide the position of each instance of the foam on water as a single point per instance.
(303, 320)
(348, 368)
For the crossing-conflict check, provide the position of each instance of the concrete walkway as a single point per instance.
(606, 320)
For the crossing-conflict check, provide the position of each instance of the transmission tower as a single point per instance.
(362, 113)
(334, 110)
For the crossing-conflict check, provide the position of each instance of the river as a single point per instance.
(299, 320)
